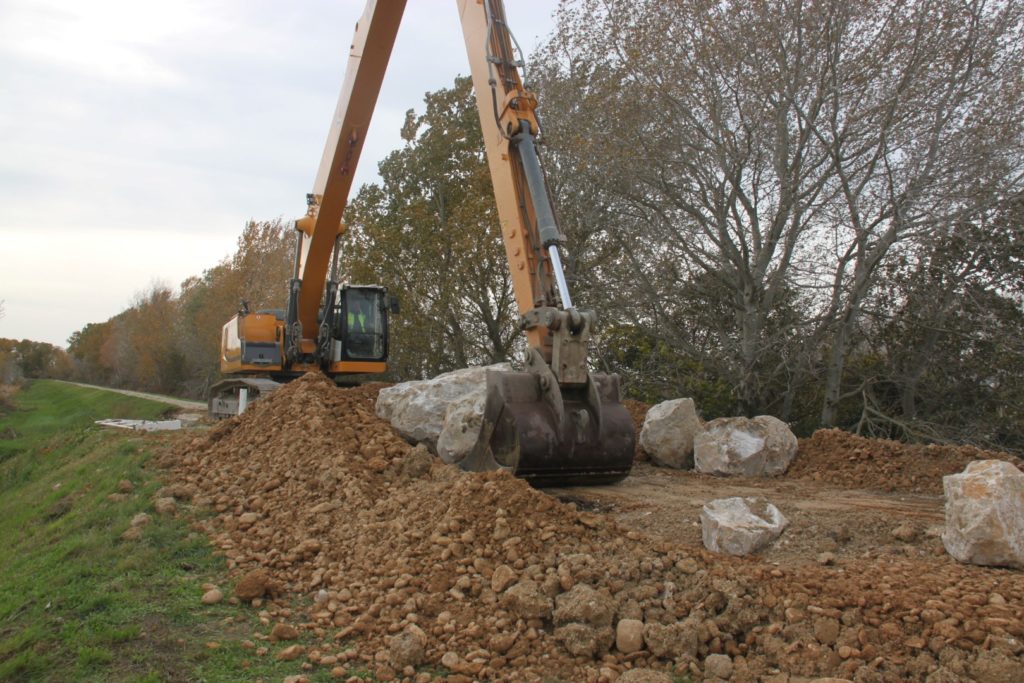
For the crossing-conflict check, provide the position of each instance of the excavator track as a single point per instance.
(226, 396)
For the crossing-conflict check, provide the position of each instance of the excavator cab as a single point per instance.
(361, 324)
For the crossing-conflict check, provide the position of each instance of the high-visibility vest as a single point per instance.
(354, 318)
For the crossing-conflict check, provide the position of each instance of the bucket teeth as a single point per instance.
(589, 441)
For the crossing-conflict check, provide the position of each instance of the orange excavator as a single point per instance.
(555, 422)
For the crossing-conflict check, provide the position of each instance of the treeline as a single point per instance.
(815, 212)
(26, 359)
(168, 341)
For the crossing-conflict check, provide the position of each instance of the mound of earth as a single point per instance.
(842, 459)
(397, 562)
(638, 411)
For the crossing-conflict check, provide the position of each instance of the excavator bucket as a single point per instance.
(553, 436)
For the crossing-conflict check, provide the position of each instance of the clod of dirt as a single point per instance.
(254, 584)
(165, 506)
(212, 596)
(283, 632)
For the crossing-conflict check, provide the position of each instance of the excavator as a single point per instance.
(554, 423)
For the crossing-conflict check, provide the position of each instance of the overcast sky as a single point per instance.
(138, 137)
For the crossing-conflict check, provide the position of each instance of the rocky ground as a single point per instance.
(407, 567)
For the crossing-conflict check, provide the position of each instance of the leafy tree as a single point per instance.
(33, 360)
(429, 232)
(257, 272)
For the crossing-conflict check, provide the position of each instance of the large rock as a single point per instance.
(668, 433)
(417, 409)
(461, 426)
(762, 446)
(740, 526)
(985, 514)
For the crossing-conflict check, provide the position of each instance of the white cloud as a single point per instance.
(113, 40)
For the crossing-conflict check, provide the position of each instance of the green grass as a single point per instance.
(77, 603)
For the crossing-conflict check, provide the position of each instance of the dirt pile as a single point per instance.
(638, 411)
(400, 562)
(839, 458)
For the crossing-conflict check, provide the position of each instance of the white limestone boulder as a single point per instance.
(985, 514)
(461, 426)
(417, 409)
(760, 447)
(740, 526)
(668, 433)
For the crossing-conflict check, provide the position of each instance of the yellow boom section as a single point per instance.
(368, 59)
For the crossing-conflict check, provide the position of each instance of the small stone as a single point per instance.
(629, 635)
(247, 519)
(718, 666)
(905, 532)
(688, 565)
(132, 533)
(450, 660)
(502, 578)
(141, 519)
(826, 558)
(125, 486)
(212, 597)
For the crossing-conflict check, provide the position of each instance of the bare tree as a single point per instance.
(772, 155)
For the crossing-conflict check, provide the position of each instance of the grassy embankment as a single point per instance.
(77, 603)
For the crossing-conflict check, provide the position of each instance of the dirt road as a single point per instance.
(170, 400)
(847, 523)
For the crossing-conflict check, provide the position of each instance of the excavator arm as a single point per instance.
(555, 423)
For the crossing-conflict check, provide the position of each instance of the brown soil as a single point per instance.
(637, 411)
(839, 458)
(312, 487)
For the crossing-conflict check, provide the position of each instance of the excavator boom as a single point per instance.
(555, 422)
